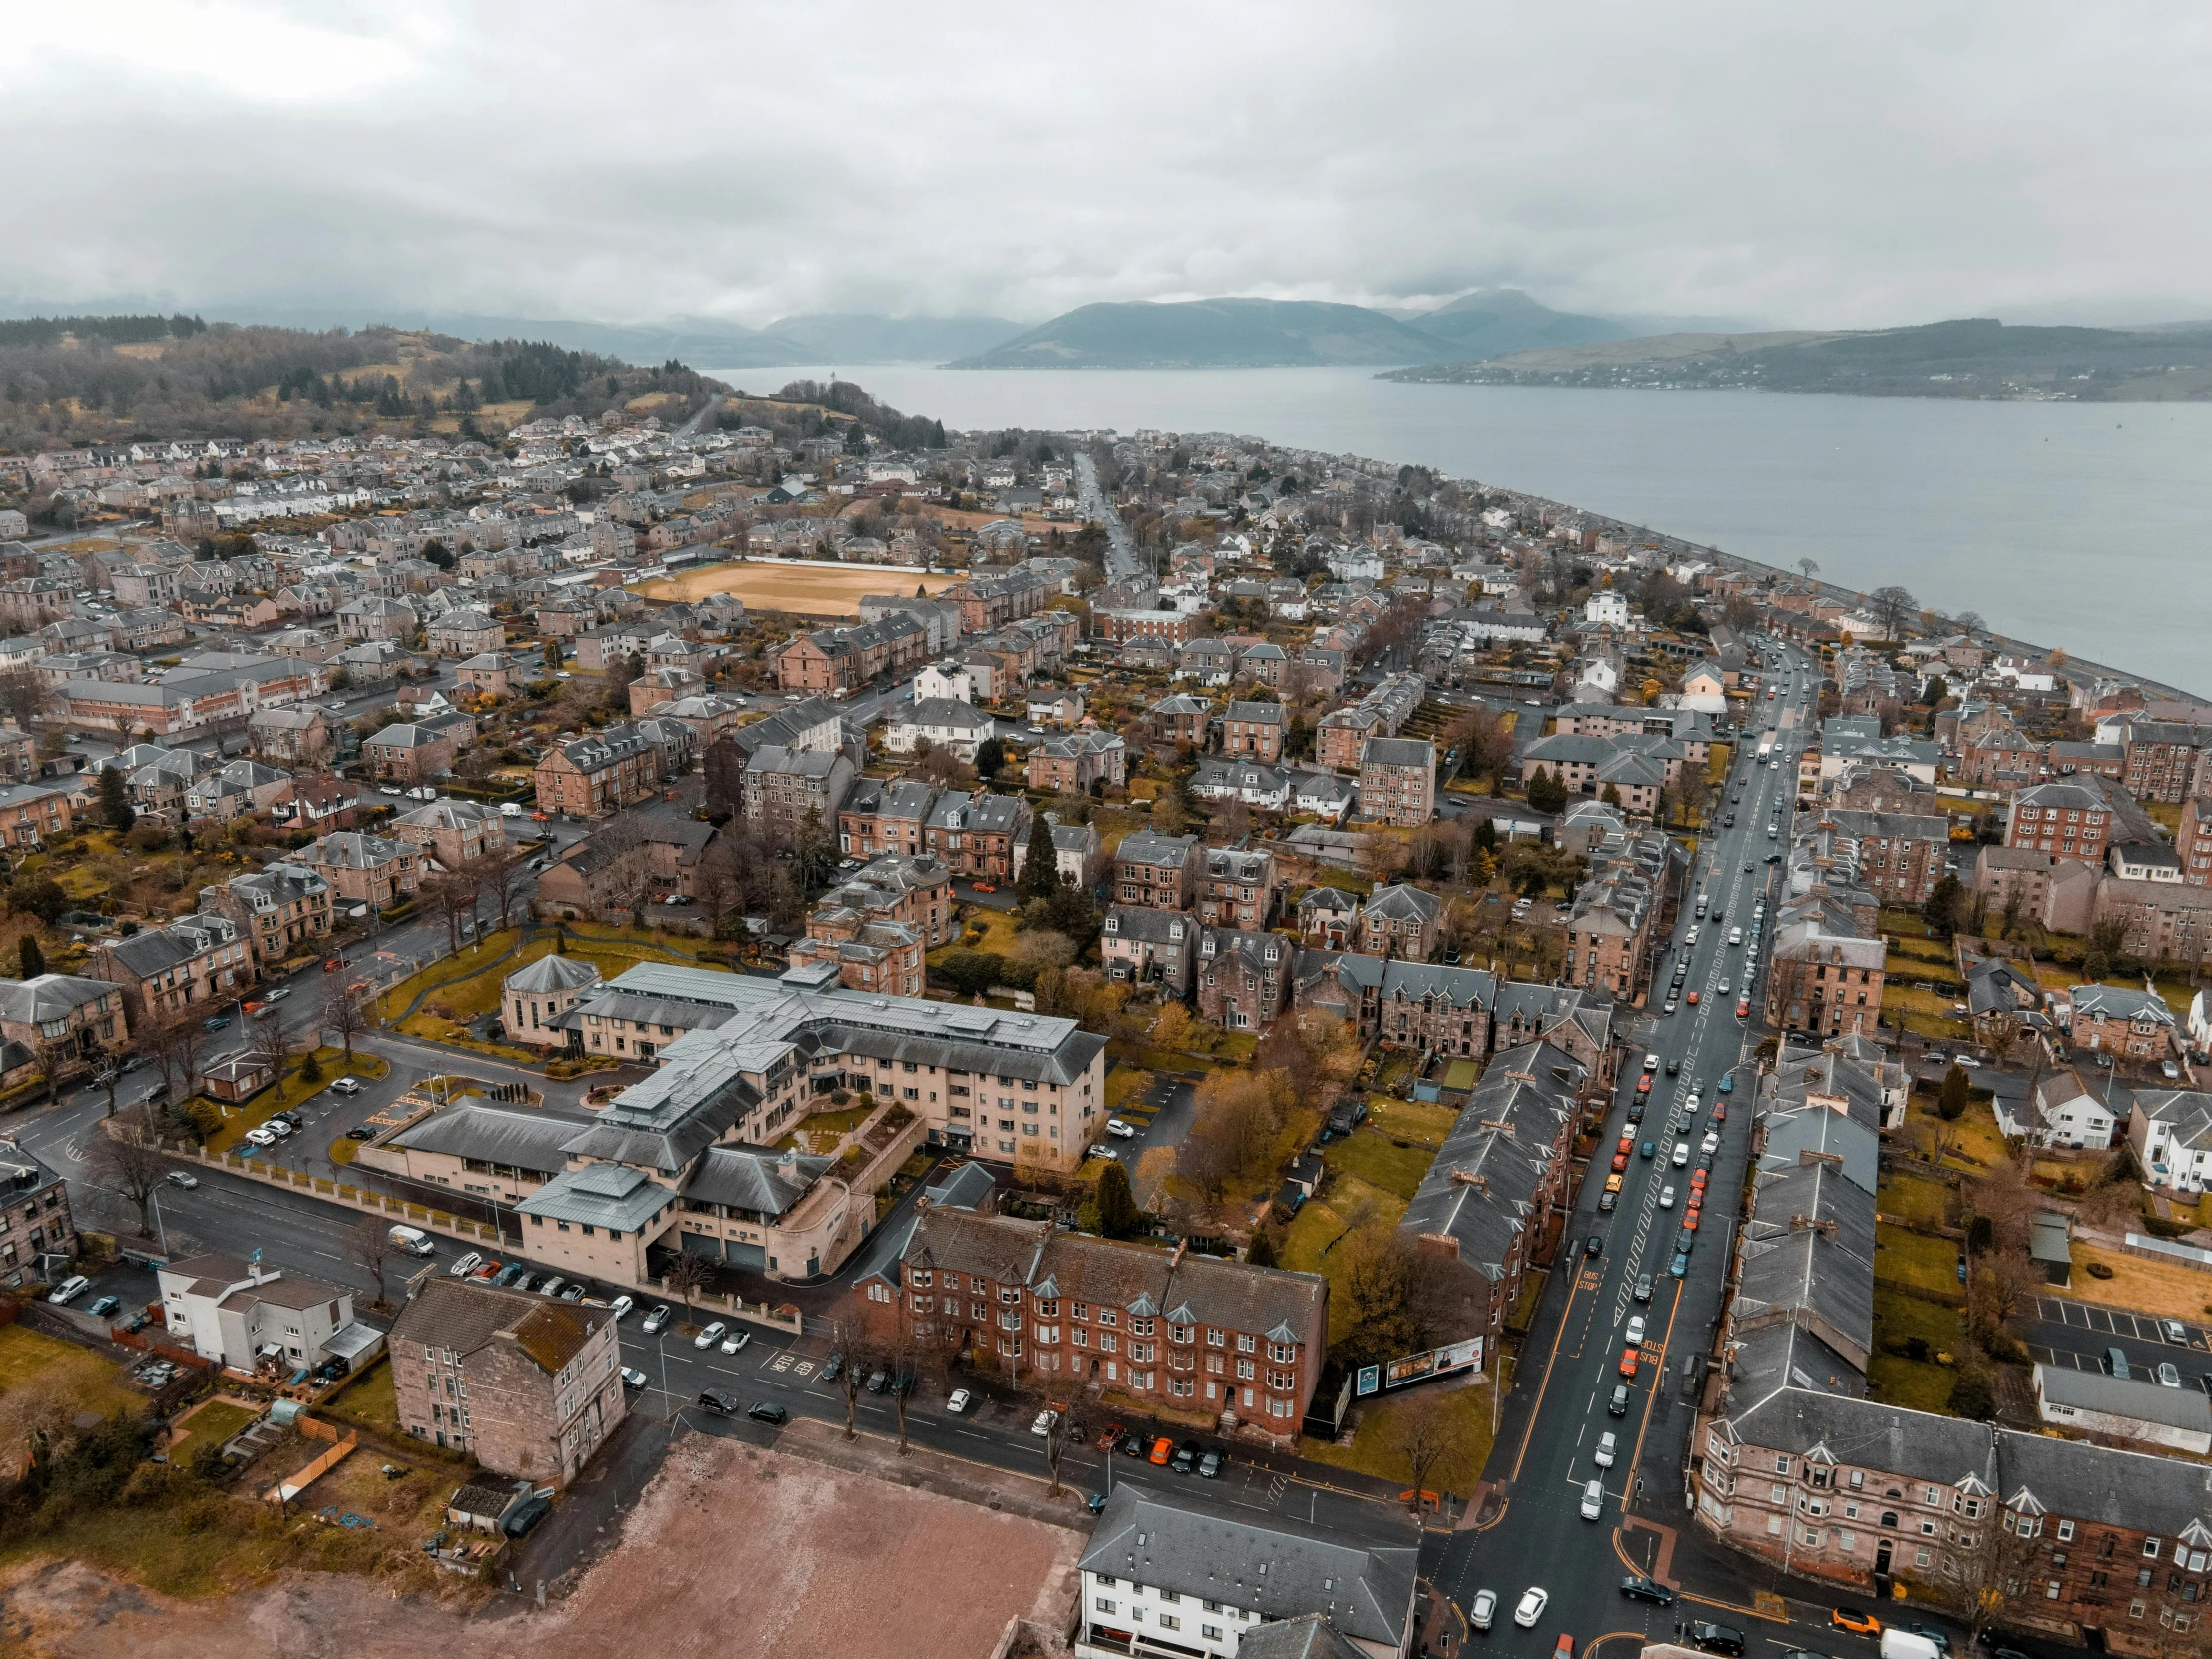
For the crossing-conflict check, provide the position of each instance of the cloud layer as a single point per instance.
(1878, 164)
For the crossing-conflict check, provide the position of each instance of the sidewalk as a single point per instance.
(936, 1471)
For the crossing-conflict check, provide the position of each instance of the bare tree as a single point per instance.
(450, 897)
(126, 1161)
(715, 883)
(686, 1276)
(1056, 1443)
(177, 1045)
(1990, 1570)
(1423, 1435)
(368, 1242)
(347, 1015)
(500, 885)
(1892, 605)
(851, 1339)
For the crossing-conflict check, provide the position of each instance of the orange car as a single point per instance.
(983, 886)
(1629, 1358)
(1620, 1162)
(1162, 1449)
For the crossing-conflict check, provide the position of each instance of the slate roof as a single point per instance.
(1481, 1191)
(553, 973)
(494, 1135)
(1275, 1566)
(760, 1183)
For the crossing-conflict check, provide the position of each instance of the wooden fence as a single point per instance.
(301, 1480)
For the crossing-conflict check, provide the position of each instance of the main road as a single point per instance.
(1562, 1404)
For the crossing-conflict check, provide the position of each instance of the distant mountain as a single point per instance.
(1492, 324)
(1972, 358)
(852, 338)
(1217, 333)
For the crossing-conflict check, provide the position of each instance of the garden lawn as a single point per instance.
(89, 1382)
(1317, 1241)
(215, 1422)
(1917, 1198)
(368, 1401)
(1410, 1120)
(1980, 1147)
(1125, 1083)
(1917, 1385)
(1374, 1159)
(468, 986)
(1917, 1260)
(2167, 1289)
(1374, 1448)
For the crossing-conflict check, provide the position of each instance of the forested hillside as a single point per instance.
(75, 381)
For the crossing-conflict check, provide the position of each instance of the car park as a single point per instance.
(710, 1335)
(657, 1320)
(1532, 1609)
(959, 1403)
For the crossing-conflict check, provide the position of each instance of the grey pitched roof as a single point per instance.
(761, 1183)
(553, 973)
(1276, 1567)
(493, 1135)
(50, 997)
(1481, 1190)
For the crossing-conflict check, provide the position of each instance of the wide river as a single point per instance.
(2082, 525)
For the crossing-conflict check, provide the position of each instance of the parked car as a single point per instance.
(710, 1335)
(1162, 1449)
(259, 1136)
(632, 1378)
(525, 1515)
(361, 1132)
(764, 1411)
(959, 1403)
(109, 1303)
(347, 1085)
(718, 1402)
(735, 1341)
(657, 1320)
(1855, 1620)
(878, 1379)
(1211, 1464)
(1185, 1460)
(1043, 1426)
(1121, 1131)
(467, 1264)
(1642, 1292)
(833, 1367)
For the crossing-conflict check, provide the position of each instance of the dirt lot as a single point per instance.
(858, 1565)
(803, 590)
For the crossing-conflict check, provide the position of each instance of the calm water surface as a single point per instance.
(2081, 525)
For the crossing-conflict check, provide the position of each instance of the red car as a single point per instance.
(1109, 1436)
(1743, 1007)
(1691, 999)
(983, 886)
(1620, 1162)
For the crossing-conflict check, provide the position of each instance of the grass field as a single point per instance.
(1917, 1385)
(803, 590)
(1375, 1158)
(468, 986)
(1914, 1197)
(368, 1401)
(2166, 1288)
(1980, 1147)
(1375, 1446)
(1412, 1120)
(215, 1424)
(1124, 1083)
(1914, 1259)
(90, 1383)
(1317, 1240)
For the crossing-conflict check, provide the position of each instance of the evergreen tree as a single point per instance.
(1039, 877)
(1953, 1106)
(116, 811)
(1942, 910)
(1118, 1215)
(1260, 1252)
(30, 960)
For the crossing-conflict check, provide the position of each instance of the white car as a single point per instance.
(277, 995)
(710, 1336)
(632, 1378)
(510, 809)
(181, 1178)
(347, 1085)
(1695, 1104)
(1666, 1198)
(1102, 1150)
(259, 1137)
(959, 1403)
(1637, 1329)
(1121, 1131)
(279, 1127)
(735, 1341)
(1593, 1499)
(1690, 937)
(467, 1265)
(1484, 1609)
(1607, 1446)
(1967, 1061)
(1043, 1426)
(620, 1307)
(1651, 1062)
(1711, 1143)
(1531, 1607)
(657, 1320)
(1722, 987)
(69, 1289)
(1681, 1153)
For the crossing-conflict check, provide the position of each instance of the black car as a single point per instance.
(832, 1368)
(1640, 1588)
(1717, 1638)
(1674, 1068)
(361, 1132)
(763, 1412)
(1594, 1245)
(525, 1515)
(1636, 1111)
(1185, 1460)
(1642, 1292)
(1607, 1203)
(719, 1404)
(1131, 1445)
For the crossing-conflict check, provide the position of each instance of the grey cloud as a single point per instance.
(1893, 163)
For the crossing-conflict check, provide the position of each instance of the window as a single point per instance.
(1919, 1557)
(2151, 1549)
(2065, 1531)
(1101, 1604)
(1168, 1621)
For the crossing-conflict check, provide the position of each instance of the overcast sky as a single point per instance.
(1862, 165)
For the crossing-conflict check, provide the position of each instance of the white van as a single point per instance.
(413, 1241)
(1593, 1500)
(510, 809)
